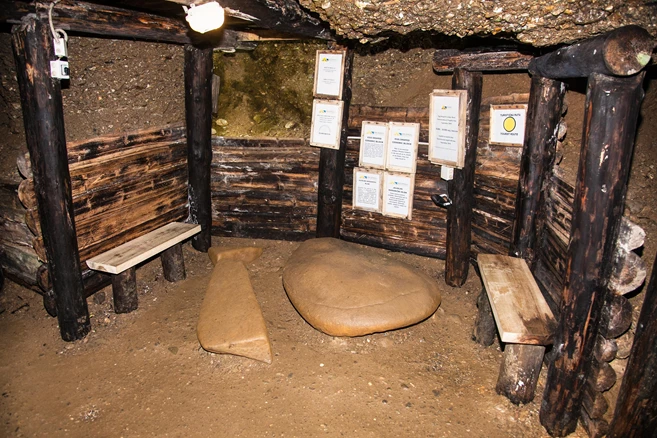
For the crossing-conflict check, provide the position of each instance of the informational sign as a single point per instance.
(329, 67)
(447, 127)
(398, 194)
(507, 124)
(402, 147)
(367, 189)
(326, 123)
(373, 141)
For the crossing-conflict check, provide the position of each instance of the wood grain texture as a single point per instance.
(521, 313)
(142, 248)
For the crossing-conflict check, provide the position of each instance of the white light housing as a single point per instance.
(205, 17)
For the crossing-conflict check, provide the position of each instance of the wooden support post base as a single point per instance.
(173, 263)
(484, 329)
(519, 372)
(124, 289)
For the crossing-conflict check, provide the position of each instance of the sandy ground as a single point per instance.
(144, 373)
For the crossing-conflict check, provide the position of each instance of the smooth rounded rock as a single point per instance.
(345, 289)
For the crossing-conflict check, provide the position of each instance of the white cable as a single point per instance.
(52, 27)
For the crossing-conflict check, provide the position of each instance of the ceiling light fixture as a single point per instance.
(206, 17)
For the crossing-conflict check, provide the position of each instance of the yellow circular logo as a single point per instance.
(509, 124)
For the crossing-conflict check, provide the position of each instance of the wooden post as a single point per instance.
(198, 115)
(43, 117)
(636, 406)
(124, 289)
(331, 168)
(485, 329)
(612, 110)
(459, 214)
(519, 372)
(543, 115)
(173, 263)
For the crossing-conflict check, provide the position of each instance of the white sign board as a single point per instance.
(373, 140)
(329, 67)
(398, 194)
(507, 124)
(367, 189)
(402, 147)
(326, 123)
(447, 127)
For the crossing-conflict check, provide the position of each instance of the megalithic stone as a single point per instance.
(231, 320)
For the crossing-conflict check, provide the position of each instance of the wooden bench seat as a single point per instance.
(523, 318)
(121, 261)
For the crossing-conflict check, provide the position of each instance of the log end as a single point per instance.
(628, 50)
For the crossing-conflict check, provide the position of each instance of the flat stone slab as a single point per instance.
(245, 254)
(345, 289)
(231, 320)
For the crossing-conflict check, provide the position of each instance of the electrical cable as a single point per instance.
(54, 31)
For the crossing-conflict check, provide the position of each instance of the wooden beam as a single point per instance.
(636, 406)
(331, 167)
(543, 115)
(483, 59)
(43, 116)
(459, 214)
(97, 19)
(611, 114)
(621, 52)
(281, 15)
(198, 114)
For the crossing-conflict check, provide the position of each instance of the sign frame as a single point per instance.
(434, 123)
(389, 148)
(363, 133)
(384, 210)
(508, 107)
(322, 75)
(379, 173)
(335, 144)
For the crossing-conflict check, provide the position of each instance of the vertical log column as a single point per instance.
(198, 115)
(331, 168)
(43, 117)
(612, 109)
(636, 407)
(543, 115)
(459, 214)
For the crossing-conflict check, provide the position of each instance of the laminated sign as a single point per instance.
(447, 127)
(367, 189)
(326, 123)
(398, 194)
(329, 68)
(507, 124)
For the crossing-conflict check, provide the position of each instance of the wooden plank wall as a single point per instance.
(496, 183)
(264, 188)
(123, 186)
(550, 269)
(425, 233)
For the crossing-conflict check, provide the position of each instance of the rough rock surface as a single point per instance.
(344, 289)
(230, 320)
(536, 22)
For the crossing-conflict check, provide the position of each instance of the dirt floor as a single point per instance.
(144, 374)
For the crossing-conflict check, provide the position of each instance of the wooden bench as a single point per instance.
(121, 261)
(524, 321)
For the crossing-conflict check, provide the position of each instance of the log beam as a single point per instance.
(541, 134)
(611, 113)
(621, 52)
(173, 263)
(43, 117)
(124, 289)
(331, 167)
(636, 406)
(198, 114)
(484, 59)
(459, 214)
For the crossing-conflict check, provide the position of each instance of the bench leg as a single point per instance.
(519, 372)
(485, 328)
(173, 263)
(124, 289)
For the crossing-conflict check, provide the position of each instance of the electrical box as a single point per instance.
(59, 69)
(59, 44)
